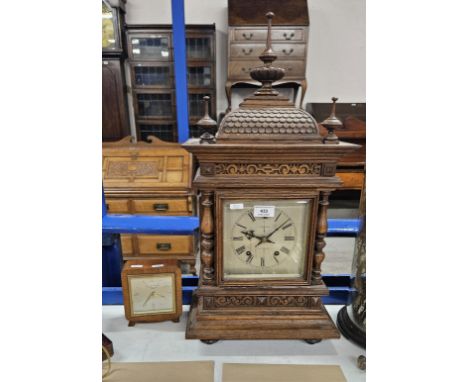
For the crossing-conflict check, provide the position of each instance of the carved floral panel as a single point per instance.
(260, 301)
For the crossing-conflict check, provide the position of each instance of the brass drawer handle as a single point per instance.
(247, 53)
(288, 53)
(246, 70)
(247, 38)
(161, 207)
(163, 246)
(285, 35)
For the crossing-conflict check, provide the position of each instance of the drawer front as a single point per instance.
(157, 245)
(282, 50)
(241, 69)
(351, 180)
(118, 206)
(252, 34)
(162, 206)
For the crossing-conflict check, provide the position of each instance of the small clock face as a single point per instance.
(152, 294)
(265, 238)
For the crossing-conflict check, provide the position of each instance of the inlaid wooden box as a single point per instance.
(150, 178)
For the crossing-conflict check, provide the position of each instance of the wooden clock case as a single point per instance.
(147, 268)
(271, 150)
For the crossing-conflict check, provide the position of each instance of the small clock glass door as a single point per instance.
(265, 239)
(152, 294)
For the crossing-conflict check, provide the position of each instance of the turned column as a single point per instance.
(322, 227)
(207, 238)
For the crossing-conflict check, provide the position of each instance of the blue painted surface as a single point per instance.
(184, 225)
(180, 69)
(343, 227)
(111, 260)
(161, 225)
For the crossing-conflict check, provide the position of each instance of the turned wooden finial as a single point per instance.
(207, 124)
(267, 74)
(332, 123)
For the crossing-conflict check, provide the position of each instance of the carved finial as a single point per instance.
(267, 74)
(331, 123)
(207, 124)
(268, 54)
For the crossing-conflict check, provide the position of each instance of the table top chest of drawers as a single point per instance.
(247, 35)
(150, 178)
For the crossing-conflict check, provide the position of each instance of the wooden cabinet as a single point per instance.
(151, 178)
(353, 116)
(151, 63)
(247, 34)
(115, 122)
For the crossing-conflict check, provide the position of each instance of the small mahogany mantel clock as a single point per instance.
(264, 182)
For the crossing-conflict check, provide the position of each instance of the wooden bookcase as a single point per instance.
(150, 52)
(115, 121)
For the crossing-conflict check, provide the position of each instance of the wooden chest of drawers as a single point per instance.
(152, 178)
(247, 35)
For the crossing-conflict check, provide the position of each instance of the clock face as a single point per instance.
(265, 239)
(152, 294)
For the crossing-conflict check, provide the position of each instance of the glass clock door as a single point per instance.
(265, 239)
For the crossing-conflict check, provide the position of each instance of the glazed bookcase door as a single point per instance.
(152, 75)
(164, 130)
(148, 46)
(200, 75)
(154, 104)
(199, 46)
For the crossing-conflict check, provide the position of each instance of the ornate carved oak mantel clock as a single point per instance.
(264, 182)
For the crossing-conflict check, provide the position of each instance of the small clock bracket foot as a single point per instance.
(311, 342)
(131, 323)
(176, 320)
(209, 342)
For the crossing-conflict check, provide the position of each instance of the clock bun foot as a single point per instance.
(131, 323)
(176, 319)
(311, 342)
(209, 342)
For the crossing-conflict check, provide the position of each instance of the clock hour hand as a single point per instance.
(250, 234)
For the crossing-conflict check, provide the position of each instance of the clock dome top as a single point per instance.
(266, 115)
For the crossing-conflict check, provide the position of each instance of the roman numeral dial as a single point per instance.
(264, 242)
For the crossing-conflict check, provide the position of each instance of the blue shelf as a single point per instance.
(161, 225)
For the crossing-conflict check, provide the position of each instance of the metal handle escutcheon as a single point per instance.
(163, 246)
(160, 207)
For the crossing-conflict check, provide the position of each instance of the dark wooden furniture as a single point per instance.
(151, 178)
(264, 187)
(152, 77)
(115, 122)
(247, 34)
(353, 116)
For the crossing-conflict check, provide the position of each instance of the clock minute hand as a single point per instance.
(276, 229)
(147, 298)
